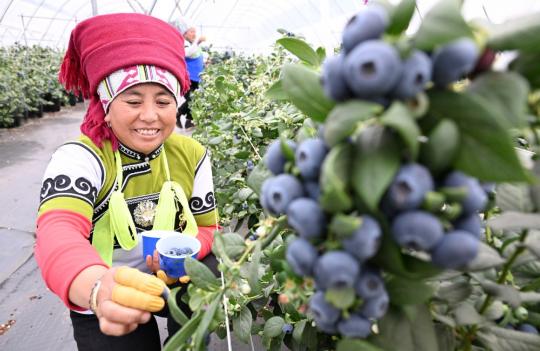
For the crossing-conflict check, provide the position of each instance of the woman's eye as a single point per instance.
(164, 102)
(133, 102)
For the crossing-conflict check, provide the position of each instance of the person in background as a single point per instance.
(195, 64)
(125, 172)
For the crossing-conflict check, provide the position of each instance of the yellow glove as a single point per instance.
(170, 280)
(139, 290)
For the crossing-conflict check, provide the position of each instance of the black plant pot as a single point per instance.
(72, 100)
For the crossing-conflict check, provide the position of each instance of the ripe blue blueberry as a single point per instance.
(323, 312)
(527, 328)
(287, 328)
(453, 61)
(250, 165)
(416, 74)
(372, 69)
(263, 196)
(417, 230)
(307, 218)
(356, 326)
(369, 284)
(336, 269)
(283, 189)
(476, 198)
(365, 241)
(274, 158)
(367, 24)
(455, 250)
(312, 189)
(375, 307)
(301, 256)
(309, 157)
(409, 187)
(333, 79)
(470, 223)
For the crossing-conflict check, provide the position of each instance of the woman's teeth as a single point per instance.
(147, 131)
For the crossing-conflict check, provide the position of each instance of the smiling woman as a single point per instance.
(143, 116)
(128, 161)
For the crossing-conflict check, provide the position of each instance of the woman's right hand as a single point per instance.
(125, 298)
(114, 318)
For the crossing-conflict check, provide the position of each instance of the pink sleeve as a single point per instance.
(206, 237)
(62, 250)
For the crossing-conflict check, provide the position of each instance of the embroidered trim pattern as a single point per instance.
(137, 155)
(198, 206)
(62, 185)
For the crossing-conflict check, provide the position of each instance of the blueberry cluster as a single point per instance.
(186, 251)
(371, 69)
(335, 269)
(451, 237)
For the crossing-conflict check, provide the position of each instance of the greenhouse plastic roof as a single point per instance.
(240, 25)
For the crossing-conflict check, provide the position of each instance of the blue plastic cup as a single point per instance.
(150, 239)
(172, 264)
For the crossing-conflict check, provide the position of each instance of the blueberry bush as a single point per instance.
(236, 121)
(409, 219)
(29, 83)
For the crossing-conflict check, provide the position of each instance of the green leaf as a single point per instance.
(392, 260)
(200, 275)
(356, 345)
(505, 293)
(401, 16)
(180, 338)
(466, 314)
(299, 330)
(526, 64)
(218, 248)
(522, 33)
(242, 324)
(300, 49)
(413, 331)
(376, 162)
(507, 92)
(486, 148)
(408, 292)
(340, 298)
(273, 327)
(286, 149)
(502, 339)
(234, 244)
(334, 180)
(257, 176)
(276, 92)
(514, 197)
(442, 146)
(208, 316)
(242, 155)
(515, 220)
(178, 315)
(442, 24)
(253, 270)
(345, 117)
(399, 118)
(487, 257)
(321, 52)
(344, 225)
(304, 89)
(453, 292)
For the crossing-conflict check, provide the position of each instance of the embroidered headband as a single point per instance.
(120, 80)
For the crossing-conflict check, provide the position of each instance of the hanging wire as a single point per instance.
(225, 300)
(250, 143)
